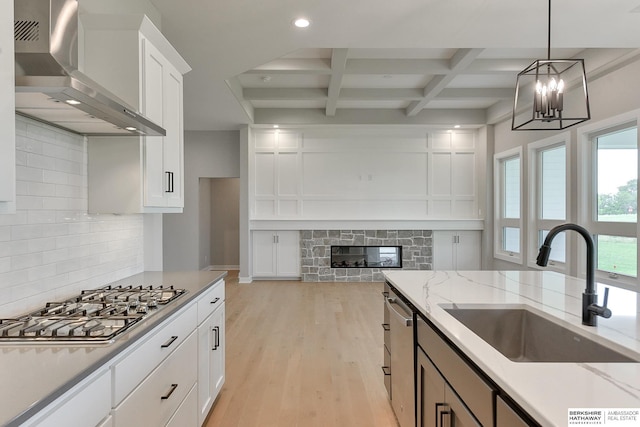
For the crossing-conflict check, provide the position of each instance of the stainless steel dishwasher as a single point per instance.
(402, 363)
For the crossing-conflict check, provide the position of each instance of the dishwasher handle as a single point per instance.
(406, 321)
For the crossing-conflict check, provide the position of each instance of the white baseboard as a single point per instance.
(245, 279)
(221, 267)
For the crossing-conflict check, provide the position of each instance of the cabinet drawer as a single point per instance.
(87, 405)
(129, 372)
(473, 390)
(187, 413)
(507, 417)
(210, 300)
(158, 397)
(386, 370)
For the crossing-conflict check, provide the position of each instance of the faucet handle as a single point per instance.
(602, 311)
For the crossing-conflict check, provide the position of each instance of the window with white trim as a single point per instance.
(548, 203)
(613, 203)
(508, 226)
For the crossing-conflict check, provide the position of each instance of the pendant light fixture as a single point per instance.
(551, 94)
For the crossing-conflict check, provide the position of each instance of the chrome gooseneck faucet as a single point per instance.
(590, 308)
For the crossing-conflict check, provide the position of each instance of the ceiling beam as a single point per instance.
(372, 94)
(284, 94)
(458, 62)
(477, 93)
(294, 66)
(397, 66)
(338, 65)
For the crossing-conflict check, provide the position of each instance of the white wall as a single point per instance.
(615, 93)
(51, 248)
(214, 154)
(204, 246)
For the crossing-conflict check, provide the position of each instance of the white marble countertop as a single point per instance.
(35, 375)
(545, 390)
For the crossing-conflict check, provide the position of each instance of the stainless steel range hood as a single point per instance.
(49, 86)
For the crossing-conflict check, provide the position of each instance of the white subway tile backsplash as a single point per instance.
(41, 189)
(51, 248)
(40, 161)
(25, 173)
(23, 232)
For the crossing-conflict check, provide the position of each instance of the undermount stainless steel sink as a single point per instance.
(523, 335)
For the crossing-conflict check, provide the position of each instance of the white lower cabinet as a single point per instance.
(108, 422)
(187, 413)
(87, 404)
(159, 396)
(276, 254)
(456, 250)
(171, 377)
(211, 349)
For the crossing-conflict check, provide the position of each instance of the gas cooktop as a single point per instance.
(95, 316)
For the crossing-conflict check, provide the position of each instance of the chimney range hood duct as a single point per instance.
(49, 86)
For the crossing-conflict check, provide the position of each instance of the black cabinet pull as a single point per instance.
(170, 392)
(169, 182)
(386, 327)
(168, 343)
(386, 370)
(216, 340)
(215, 300)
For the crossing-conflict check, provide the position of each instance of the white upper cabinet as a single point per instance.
(129, 56)
(7, 111)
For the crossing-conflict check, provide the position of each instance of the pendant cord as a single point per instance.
(549, 34)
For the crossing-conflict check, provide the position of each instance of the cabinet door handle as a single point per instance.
(216, 339)
(215, 300)
(169, 342)
(406, 321)
(442, 411)
(386, 327)
(170, 392)
(169, 182)
(386, 370)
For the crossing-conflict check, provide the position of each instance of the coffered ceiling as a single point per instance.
(380, 62)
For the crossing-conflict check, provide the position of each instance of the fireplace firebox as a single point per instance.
(366, 256)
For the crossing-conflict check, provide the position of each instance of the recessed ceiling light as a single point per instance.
(131, 128)
(276, 126)
(72, 102)
(457, 126)
(301, 22)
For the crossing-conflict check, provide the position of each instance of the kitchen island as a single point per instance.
(545, 391)
(34, 376)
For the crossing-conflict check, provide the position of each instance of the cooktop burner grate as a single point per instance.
(93, 316)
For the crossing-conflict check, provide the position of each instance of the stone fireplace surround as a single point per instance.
(417, 252)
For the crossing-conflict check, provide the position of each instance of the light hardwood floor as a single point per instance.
(303, 354)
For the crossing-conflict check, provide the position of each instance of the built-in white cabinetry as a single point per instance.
(457, 250)
(87, 404)
(170, 377)
(276, 254)
(211, 348)
(129, 56)
(7, 111)
(364, 174)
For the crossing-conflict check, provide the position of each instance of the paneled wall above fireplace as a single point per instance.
(338, 174)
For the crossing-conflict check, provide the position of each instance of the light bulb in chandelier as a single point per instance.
(549, 102)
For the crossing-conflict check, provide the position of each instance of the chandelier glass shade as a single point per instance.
(551, 94)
